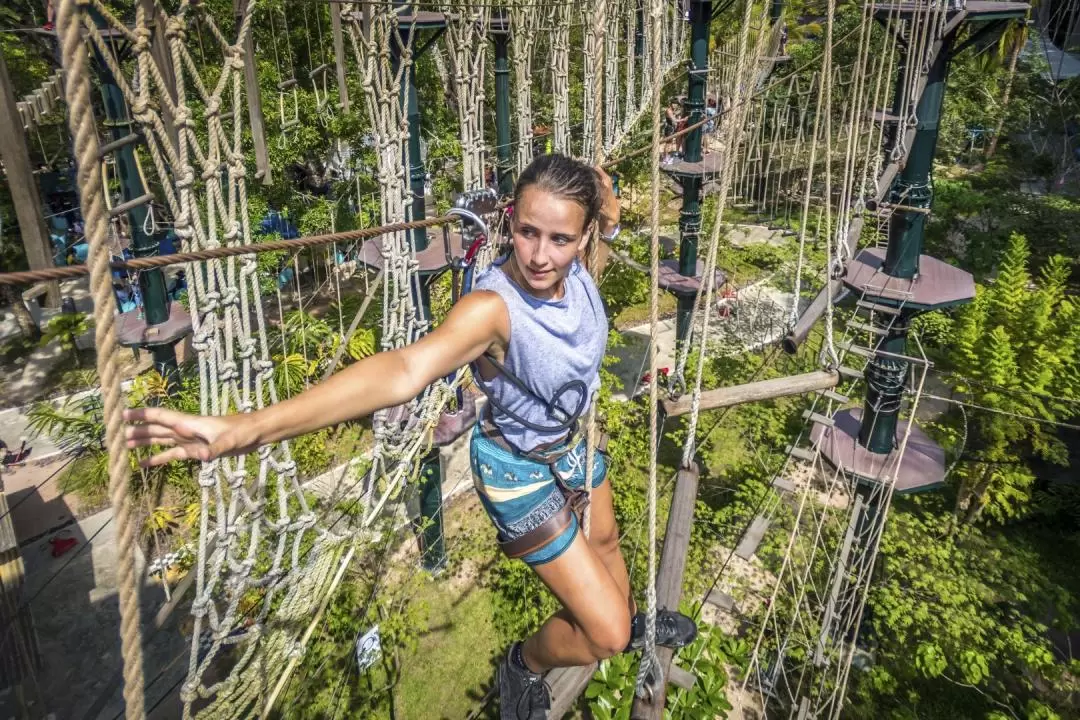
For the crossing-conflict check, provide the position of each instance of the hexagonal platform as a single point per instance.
(710, 164)
(673, 282)
(132, 330)
(432, 259)
(938, 284)
(921, 468)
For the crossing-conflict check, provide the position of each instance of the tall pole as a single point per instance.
(886, 372)
(254, 100)
(155, 296)
(429, 522)
(776, 11)
(416, 160)
(502, 112)
(23, 186)
(339, 55)
(690, 215)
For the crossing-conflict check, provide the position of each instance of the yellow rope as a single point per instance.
(84, 133)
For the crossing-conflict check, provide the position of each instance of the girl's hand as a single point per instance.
(609, 210)
(189, 437)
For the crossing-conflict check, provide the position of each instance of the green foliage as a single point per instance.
(66, 329)
(954, 618)
(521, 602)
(1016, 349)
(710, 658)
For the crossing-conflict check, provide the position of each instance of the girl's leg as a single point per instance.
(595, 620)
(604, 539)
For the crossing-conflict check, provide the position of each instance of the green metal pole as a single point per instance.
(430, 520)
(416, 161)
(155, 296)
(502, 112)
(885, 375)
(690, 215)
(776, 11)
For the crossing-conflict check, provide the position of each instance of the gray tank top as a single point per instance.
(552, 342)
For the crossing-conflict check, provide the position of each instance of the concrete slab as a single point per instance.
(38, 507)
(74, 601)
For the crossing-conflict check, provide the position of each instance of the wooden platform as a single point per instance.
(710, 164)
(974, 9)
(432, 259)
(750, 541)
(132, 330)
(673, 282)
(921, 468)
(938, 284)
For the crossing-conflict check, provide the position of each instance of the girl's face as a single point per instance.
(548, 233)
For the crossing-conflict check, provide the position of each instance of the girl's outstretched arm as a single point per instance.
(478, 321)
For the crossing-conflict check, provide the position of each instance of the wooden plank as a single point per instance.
(818, 418)
(722, 601)
(784, 485)
(867, 328)
(254, 102)
(339, 55)
(875, 307)
(23, 186)
(835, 397)
(749, 543)
(856, 349)
(567, 685)
(849, 372)
(670, 577)
(840, 574)
(800, 454)
(754, 392)
(681, 678)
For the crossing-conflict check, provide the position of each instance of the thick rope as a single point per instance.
(84, 133)
(650, 674)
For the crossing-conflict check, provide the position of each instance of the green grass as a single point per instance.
(453, 666)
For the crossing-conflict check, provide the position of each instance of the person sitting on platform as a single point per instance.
(534, 329)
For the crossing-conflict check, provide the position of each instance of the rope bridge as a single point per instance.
(267, 559)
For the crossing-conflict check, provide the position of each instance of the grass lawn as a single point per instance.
(454, 662)
(453, 665)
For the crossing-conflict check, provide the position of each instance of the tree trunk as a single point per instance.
(29, 329)
(976, 500)
(1006, 96)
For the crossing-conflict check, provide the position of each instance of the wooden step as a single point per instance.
(801, 454)
(722, 601)
(858, 350)
(753, 537)
(784, 485)
(818, 418)
(866, 327)
(835, 397)
(849, 372)
(874, 307)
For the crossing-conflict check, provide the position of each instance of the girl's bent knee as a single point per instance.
(611, 637)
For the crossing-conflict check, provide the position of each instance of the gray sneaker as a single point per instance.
(523, 695)
(673, 630)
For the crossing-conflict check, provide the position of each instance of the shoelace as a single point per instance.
(538, 695)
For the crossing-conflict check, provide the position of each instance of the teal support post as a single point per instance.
(430, 520)
(886, 373)
(416, 160)
(690, 214)
(776, 11)
(504, 163)
(152, 288)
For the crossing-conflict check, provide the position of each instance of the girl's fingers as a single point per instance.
(177, 453)
(139, 432)
(166, 441)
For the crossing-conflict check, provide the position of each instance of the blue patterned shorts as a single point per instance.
(519, 494)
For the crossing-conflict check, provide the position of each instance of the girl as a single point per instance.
(535, 331)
